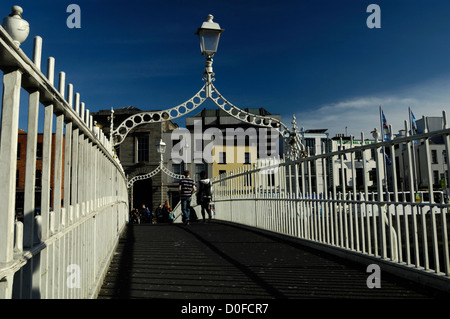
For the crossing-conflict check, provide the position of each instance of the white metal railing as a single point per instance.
(387, 223)
(64, 251)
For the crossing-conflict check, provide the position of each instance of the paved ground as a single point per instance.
(222, 261)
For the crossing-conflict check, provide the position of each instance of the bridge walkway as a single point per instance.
(224, 261)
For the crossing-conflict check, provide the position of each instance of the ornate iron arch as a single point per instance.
(294, 147)
(147, 117)
(160, 168)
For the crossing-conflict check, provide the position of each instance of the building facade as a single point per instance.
(221, 143)
(138, 156)
(438, 158)
(21, 170)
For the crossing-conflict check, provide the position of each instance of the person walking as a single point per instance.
(204, 195)
(186, 189)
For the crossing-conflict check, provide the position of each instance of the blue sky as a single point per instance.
(316, 59)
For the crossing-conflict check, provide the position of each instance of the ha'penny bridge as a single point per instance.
(276, 232)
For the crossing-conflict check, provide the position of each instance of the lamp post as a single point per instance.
(209, 35)
(161, 149)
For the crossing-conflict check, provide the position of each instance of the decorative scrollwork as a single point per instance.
(294, 147)
(134, 120)
(141, 177)
(160, 168)
(241, 115)
(172, 174)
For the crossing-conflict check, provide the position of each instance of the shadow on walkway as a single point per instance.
(223, 261)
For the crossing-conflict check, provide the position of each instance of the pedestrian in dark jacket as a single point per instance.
(204, 195)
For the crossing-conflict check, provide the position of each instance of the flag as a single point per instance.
(386, 134)
(413, 124)
(388, 160)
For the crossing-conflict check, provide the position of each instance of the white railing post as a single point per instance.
(8, 162)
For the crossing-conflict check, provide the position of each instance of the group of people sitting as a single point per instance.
(162, 214)
(187, 188)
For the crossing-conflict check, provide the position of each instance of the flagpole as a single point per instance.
(381, 212)
(384, 155)
(411, 132)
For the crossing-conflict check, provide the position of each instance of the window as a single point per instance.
(143, 149)
(221, 172)
(436, 178)
(222, 158)
(198, 169)
(271, 179)
(247, 158)
(311, 144)
(38, 178)
(434, 159)
(39, 150)
(176, 168)
(175, 142)
(18, 151)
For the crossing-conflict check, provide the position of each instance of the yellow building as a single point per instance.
(244, 148)
(229, 158)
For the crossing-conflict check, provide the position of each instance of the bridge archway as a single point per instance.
(293, 145)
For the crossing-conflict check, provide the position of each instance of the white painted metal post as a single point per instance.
(30, 170)
(67, 172)
(8, 165)
(432, 211)
(57, 174)
(37, 52)
(413, 209)
(395, 240)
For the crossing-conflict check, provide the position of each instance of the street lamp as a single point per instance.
(209, 35)
(161, 148)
